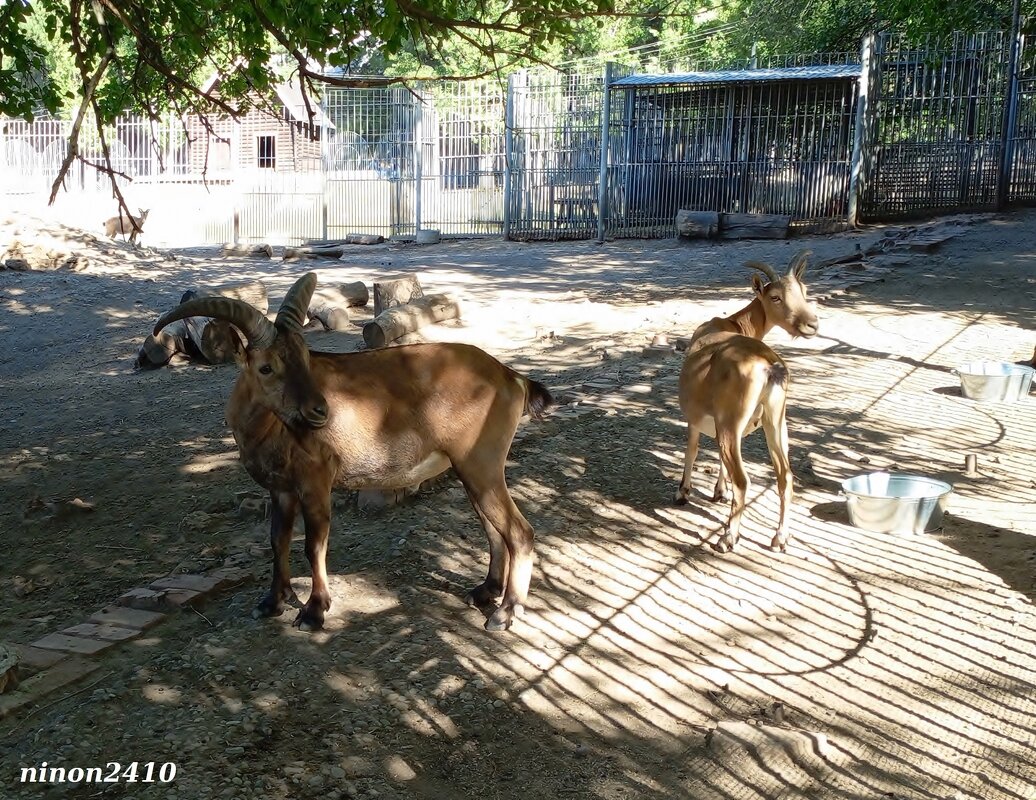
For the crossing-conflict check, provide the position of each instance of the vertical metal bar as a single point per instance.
(1010, 117)
(602, 188)
(419, 100)
(861, 143)
(508, 156)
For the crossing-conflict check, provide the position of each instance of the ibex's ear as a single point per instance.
(758, 284)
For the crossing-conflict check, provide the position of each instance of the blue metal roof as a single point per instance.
(826, 72)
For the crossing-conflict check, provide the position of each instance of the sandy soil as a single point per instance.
(857, 665)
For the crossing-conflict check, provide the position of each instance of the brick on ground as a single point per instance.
(33, 659)
(202, 584)
(107, 633)
(126, 617)
(33, 689)
(147, 599)
(72, 644)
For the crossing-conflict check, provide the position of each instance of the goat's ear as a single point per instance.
(758, 284)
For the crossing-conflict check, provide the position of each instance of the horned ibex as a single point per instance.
(731, 383)
(306, 421)
(126, 224)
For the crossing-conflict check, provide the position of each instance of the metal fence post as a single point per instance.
(418, 156)
(862, 141)
(602, 188)
(1003, 188)
(508, 155)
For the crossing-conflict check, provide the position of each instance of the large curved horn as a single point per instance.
(766, 269)
(294, 310)
(798, 263)
(258, 330)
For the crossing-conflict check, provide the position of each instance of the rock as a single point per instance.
(8, 669)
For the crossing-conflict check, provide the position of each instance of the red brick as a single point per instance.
(33, 689)
(231, 576)
(107, 633)
(33, 659)
(72, 644)
(195, 583)
(182, 597)
(126, 617)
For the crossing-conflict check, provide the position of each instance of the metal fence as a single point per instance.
(598, 151)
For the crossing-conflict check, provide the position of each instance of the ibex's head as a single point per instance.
(277, 359)
(784, 299)
(143, 214)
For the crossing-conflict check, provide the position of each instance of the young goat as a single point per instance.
(306, 422)
(126, 224)
(731, 383)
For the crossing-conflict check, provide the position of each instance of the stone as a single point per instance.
(193, 582)
(33, 659)
(38, 686)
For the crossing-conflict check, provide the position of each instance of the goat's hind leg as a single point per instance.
(730, 453)
(776, 430)
(683, 491)
(485, 595)
(504, 524)
(283, 508)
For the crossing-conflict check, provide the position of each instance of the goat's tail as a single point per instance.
(537, 398)
(777, 374)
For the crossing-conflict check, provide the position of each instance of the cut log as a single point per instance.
(355, 293)
(252, 292)
(754, 226)
(331, 308)
(364, 238)
(313, 251)
(398, 321)
(249, 250)
(397, 292)
(697, 224)
(156, 351)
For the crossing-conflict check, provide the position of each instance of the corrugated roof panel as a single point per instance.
(826, 72)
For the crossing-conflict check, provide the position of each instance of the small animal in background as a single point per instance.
(1033, 362)
(124, 224)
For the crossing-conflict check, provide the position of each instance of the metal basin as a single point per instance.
(886, 502)
(994, 381)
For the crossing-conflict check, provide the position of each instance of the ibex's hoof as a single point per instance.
(779, 544)
(308, 620)
(680, 498)
(724, 545)
(270, 605)
(482, 596)
(500, 620)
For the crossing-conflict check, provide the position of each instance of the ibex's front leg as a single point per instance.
(316, 512)
(283, 508)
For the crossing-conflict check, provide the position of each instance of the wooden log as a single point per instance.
(156, 351)
(355, 293)
(249, 250)
(364, 238)
(754, 226)
(331, 308)
(313, 251)
(697, 224)
(398, 321)
(396, 292)
(216, 341)
(252, 292)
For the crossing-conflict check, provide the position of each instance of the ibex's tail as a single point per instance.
(537, 399)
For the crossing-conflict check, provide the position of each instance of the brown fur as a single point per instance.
(733, 383)
(307, 422)
(126, 224)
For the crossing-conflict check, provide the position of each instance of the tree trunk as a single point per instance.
(754, 226)
(355, 293)
(252, 292)
(251, 250)
(331, 308)
(697, 224)
(157, 350)
(390, 325)
(396, 292)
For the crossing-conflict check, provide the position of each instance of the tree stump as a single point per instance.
(396, 292)
(355, 293)
(331, 308)
(248, 250)
(398, 321)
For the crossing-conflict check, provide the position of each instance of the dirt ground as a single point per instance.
(856, 665)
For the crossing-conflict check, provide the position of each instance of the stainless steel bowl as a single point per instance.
(888, 502)
(994, 381)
